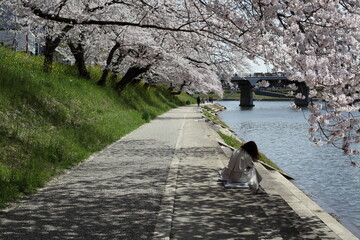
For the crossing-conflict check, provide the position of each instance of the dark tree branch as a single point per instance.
(61, 5)
(197, 61)
(38, 12)
(130, 75)
(184, 84)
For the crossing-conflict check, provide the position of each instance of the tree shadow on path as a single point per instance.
(116, 195)
(204, 209)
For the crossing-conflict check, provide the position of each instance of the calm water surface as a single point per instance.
(323, 173)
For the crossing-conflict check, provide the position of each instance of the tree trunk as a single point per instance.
(130, 75)
(48, 55)
(113, 77)
(78, 52)
(102, 80)
(50, 47)
(105, 73)
(171, 87)
(181, 88)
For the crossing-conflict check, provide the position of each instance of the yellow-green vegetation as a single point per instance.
(209, 109)
(280, 90)
(50, 122)
(236, 96)
(230, 140)
(218, 107)
(209, 114)
(263, 97)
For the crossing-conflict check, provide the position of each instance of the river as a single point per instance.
(323, 173)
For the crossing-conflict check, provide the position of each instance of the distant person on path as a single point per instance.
(198, 101)
(240, 168)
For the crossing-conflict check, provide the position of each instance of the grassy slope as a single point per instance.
(49, 122)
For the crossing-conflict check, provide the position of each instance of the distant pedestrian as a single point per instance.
(198, 101)
(240, 168)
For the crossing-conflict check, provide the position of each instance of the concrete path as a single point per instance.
(159, 182)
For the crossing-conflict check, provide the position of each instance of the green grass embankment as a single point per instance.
(50, 122)
(210, 114)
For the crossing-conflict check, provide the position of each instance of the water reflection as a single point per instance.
(324, 173)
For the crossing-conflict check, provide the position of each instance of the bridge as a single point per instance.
(247, 84)
(254, 79)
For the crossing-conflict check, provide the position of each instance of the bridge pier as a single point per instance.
(304, 90)
(246, 95)
(246, 85)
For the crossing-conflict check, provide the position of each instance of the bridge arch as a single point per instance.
(247, 84)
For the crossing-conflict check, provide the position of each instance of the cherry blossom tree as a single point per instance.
(314, 42)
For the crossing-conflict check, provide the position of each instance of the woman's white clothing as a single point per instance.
(241, 169)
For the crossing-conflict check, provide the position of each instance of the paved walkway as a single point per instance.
(159, 182)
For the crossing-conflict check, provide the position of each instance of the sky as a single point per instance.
(259, 67)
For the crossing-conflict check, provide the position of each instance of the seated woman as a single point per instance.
(240, 168)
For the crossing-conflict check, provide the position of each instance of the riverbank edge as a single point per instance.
(210, 113)
(303, 205)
